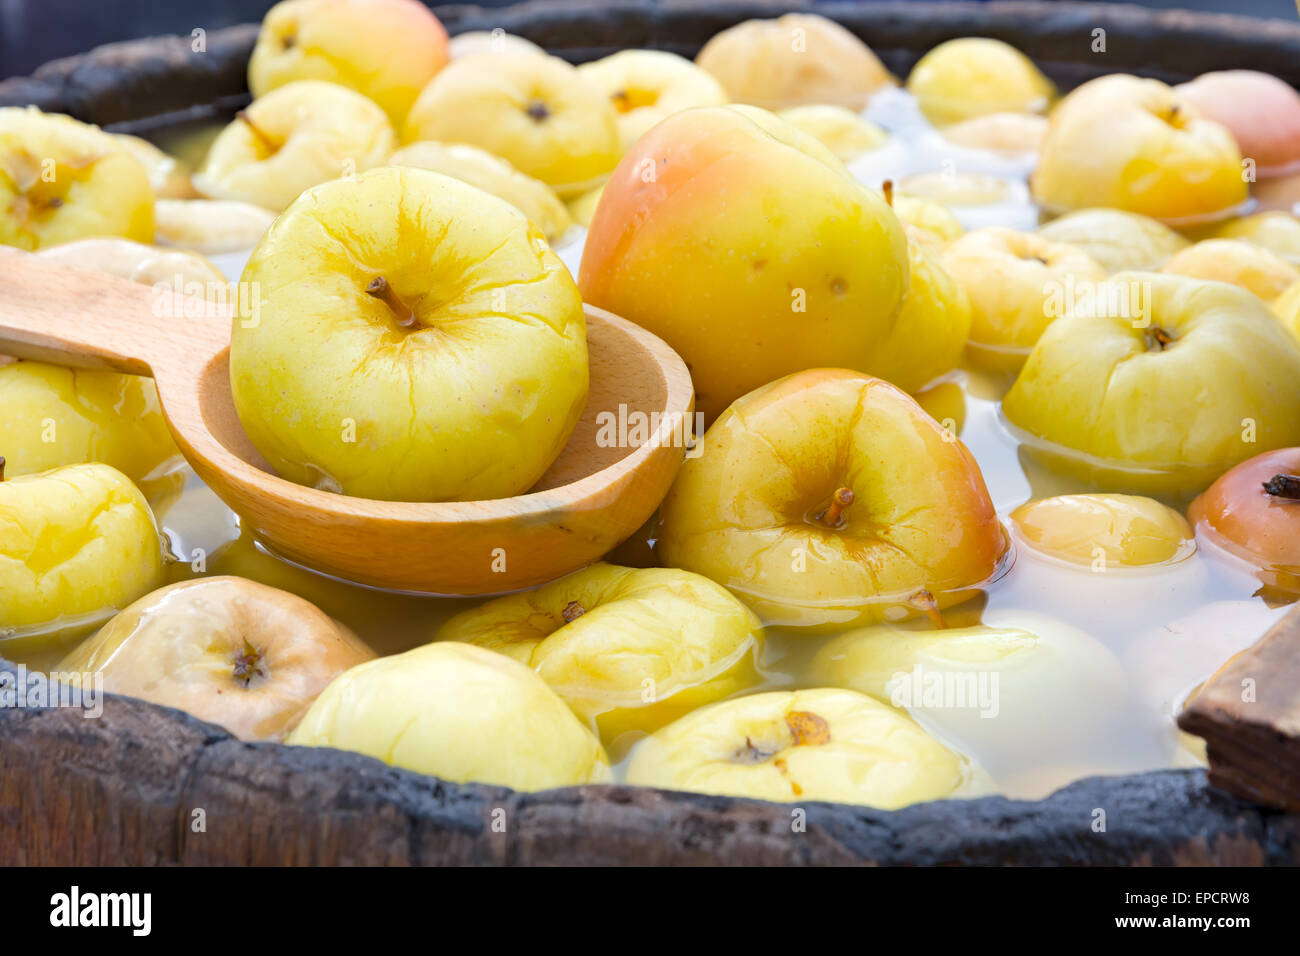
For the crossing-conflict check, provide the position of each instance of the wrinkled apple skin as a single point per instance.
(1124, 531)
(745, 245)
(210, 226)
(474, 402)
(1263, 529)
(794, 60)
(1132, 144)
(302, 134)
(537, 113)
(460, 713)
(61, 180)
(646, 86)
(1118, 241)
(974, 76)
(743, 512)
(182, 646)
(649, 646)
(854, 750)
(52, 416)
(491, 174)
(76, 545)
(1009, 277)
(842, 131)
(186, 272)
(1129, 415)
(387, 50)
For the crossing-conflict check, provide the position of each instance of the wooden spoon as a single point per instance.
(594, 496)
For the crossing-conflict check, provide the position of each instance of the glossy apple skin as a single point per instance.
(320, 132)
(1261, 111)
(474, 402)
(460, 713)
(51, 416)
(1118, 241)
(794, 60)
(1236, 261)
(714, 231)
(180, 646)
(1131, 416)
(387, 50)
(743, 512)
(1239, 515)
(848, 748)
(61, 179)
(1124, 531)
(76, 545)
(536, 112)
(974, 76)
(647, 86)
(1132, 144)
(650, 644)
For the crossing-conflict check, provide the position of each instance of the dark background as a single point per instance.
(33, 31)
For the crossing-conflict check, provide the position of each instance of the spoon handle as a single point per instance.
(94, 320)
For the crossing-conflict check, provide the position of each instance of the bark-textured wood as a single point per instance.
(130, 83)
(124, 788)
(1249, 715)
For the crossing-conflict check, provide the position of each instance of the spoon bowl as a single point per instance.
(594, 496)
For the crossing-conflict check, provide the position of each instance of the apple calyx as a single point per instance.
(248, 664)
(1158, 339)
(833, 514)
(1279, 486)
(572, 611)
(259, 134)
(924, 601)
(538, 111)
(403, 314)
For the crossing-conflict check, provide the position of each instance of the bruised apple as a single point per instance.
(386, 50)
(828, 744)
(227, 650)
(458, 712)
(1159, 384)
(829, 498)
(416, 340)
(628, 649)
(77, 544)
(746, 245)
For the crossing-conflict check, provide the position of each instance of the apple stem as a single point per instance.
(265, 140)
(833, 514)
(887, 187)
(1279, 486)
(380, 289)
(923, 600)
(2, 467)
(572, 611)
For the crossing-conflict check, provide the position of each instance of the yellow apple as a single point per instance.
(1118, 241)
(536, 112)
(225, 649)
(645, 86)
(186, 272)
(1000, 132)
(627, 649)
(491, 174)
(583, 208)
(930, 223)
(1018, 690)
(1105, 531)
(460, 713)
(842, 131)
(827, 744)
(956, 188)
(1278, 232)
(62, 180)
(974, 76)
(1013, 280)
(416, 340)
(210, 226)
(169, 177)
(77, 544)
(828, 499)
(1237, 261)
(386, 50)
(475, 42)
(747, 246)
(796, 59)
(1133, 144)
(1287, 308)
(52, 416)
(293, 138)
(1159, 383)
